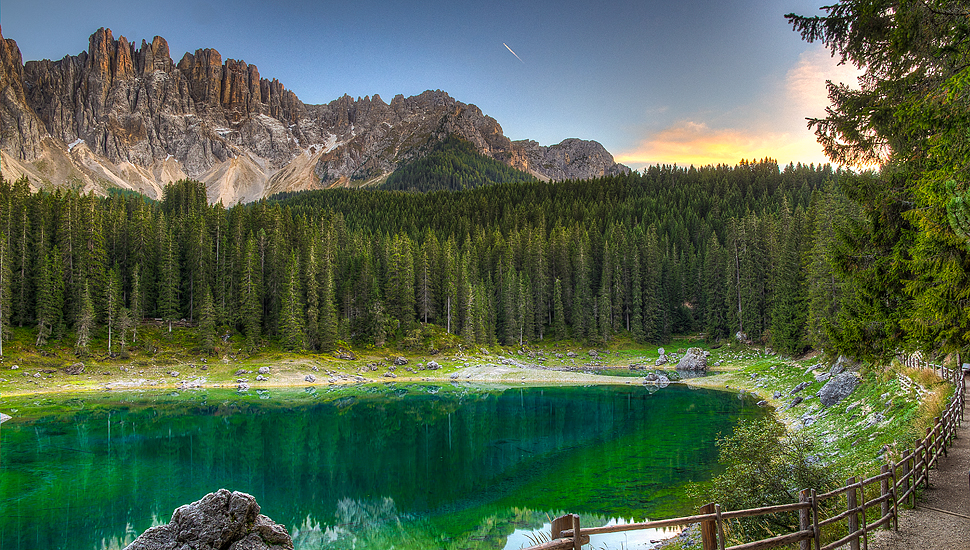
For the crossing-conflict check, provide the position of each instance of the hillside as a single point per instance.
(452, 164)
(117, 116)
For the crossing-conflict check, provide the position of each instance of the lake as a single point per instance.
(376, 466)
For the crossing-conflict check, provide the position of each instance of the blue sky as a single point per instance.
(655, 81)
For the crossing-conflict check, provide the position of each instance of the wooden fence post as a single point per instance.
(720, 527)
(906, 471)
(559, 525)
(577, 535)
(927, 455)
(803, 523)
(883, 492)
(851, 504)
(817, 534)
(708, 531)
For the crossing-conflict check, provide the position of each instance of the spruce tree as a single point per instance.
(207, 322)
(85, 322)
(292, 328)
(5, 284)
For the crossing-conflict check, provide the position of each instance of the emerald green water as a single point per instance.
(366, 467)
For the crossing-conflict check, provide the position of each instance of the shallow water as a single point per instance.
(408, 466)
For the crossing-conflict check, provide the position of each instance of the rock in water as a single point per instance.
(838, 388)
(695, 360)
(220, 520)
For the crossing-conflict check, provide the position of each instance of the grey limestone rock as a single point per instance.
(219, 521)
(694, 360)
(838, 388)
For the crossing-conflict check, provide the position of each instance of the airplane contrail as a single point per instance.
(513, 53)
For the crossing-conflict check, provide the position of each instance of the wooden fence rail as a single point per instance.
(895, 484)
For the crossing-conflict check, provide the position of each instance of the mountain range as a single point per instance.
(121, 116)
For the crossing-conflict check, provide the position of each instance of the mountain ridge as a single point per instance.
(123, 116)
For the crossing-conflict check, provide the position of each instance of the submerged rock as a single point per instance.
(220, 520)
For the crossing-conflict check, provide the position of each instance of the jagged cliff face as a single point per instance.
(125, 116)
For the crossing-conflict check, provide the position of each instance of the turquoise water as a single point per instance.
(408, 466)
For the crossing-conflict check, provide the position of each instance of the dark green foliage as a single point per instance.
(649, 255)
(905, 257)
(452, 165)
(766, 465)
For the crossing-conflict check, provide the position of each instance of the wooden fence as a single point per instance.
(896, 484)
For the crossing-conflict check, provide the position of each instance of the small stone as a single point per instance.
(263, 370)
(310, 378)
(261, 378)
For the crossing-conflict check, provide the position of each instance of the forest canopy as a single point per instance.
(718, 250)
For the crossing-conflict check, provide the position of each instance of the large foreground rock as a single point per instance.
(838, 388)
(219, 521)
(695, 360)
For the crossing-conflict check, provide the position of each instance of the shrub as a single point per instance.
(765, 465)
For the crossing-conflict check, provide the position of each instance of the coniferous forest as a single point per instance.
(718, 250)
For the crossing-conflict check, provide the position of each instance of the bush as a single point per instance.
(765, 465)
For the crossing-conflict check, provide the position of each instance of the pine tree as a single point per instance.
(112, 298)
(125, 324)
(168, 279)
(425, 273)
(312, 292)
(400, 291)
(207, 323)
(250, 295)
(583, 321)
(45, 299)
(292, 328)
(5, 283)
(558, 312)
(85, 323)
(135, 301)
(715, 292)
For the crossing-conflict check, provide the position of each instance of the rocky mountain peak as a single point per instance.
(120, 116)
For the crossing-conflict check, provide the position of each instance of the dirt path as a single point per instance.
(941, 520)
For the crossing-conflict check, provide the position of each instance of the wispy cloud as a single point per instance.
(777, 128)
